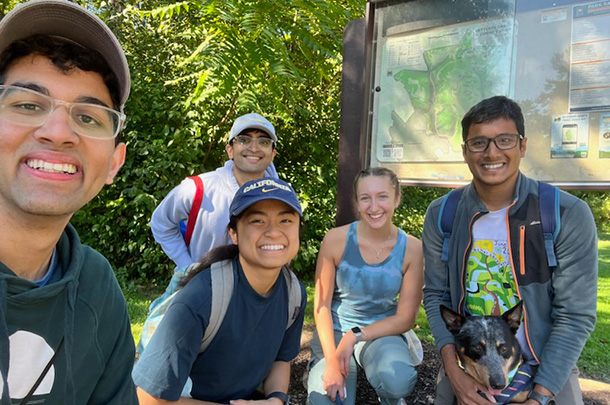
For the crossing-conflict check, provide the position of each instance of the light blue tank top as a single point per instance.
(365, 293)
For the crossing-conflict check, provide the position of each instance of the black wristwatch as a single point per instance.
(358, 333)
(281, 395)
(542, 399)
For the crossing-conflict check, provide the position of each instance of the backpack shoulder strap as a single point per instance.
(194, 209)
(222, 290)
(294, 296)
(548, 199)
(446, 217)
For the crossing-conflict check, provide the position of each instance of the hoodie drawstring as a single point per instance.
(69, 343)
(4, 345)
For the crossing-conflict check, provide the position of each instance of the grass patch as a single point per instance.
(593, 362)
(138, 300)
(310, 287)
(596, 356)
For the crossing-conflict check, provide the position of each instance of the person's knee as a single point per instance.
(405, 384)
(411, 380)
(444, 391)
(316, 394)
(397, 384)
(317, 398)
(313, 381)
(571, 392)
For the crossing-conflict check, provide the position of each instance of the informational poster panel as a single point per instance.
(434, 59)
(590, 57)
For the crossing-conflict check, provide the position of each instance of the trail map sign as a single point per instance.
(431, 60)
(431, 71)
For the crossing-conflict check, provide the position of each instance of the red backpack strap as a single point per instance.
(194, 209)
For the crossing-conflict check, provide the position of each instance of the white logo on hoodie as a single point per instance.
(30, 354)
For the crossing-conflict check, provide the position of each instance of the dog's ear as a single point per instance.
(453, 320)
(513, 316)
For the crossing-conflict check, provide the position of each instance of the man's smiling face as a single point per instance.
(50, 170)
(494, 167)
(251, 159)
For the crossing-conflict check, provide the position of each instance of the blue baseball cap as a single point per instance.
(266, 188)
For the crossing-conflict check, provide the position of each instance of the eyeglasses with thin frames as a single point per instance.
(480, 144)
(246, 140)
(31, 108)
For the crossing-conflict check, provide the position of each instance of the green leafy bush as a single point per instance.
(198, 65)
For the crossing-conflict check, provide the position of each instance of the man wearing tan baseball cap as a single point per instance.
(65, 336)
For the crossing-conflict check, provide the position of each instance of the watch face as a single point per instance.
(356, 329)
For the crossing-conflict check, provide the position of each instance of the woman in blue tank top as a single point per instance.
(369, 280)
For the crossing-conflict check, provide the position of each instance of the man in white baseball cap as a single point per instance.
(193, 217)
(65, 336)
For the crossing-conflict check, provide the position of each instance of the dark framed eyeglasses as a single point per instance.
(246, 140)
(480, 144)
(30, 108)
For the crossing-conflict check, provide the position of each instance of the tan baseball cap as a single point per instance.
(61, 18)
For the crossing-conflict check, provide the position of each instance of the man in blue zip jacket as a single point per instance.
(497, 257)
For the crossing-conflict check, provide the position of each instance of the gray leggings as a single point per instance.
(386, 361)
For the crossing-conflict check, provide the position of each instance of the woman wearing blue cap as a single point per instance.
(256, 339)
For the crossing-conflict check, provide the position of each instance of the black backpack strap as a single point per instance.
(446, 217)
(548, 201)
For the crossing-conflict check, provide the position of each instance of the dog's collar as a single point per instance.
(513, 372)
(459, 362)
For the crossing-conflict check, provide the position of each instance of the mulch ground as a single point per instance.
(423, 393)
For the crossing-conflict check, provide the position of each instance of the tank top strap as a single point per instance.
(398, 253)
(351, 246)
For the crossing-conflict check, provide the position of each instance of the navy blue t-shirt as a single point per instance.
(251, 337)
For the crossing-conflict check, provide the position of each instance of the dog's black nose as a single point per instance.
(497, 384)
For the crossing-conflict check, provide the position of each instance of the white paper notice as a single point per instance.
(590, 57)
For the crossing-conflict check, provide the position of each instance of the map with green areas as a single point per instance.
(427, 81)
